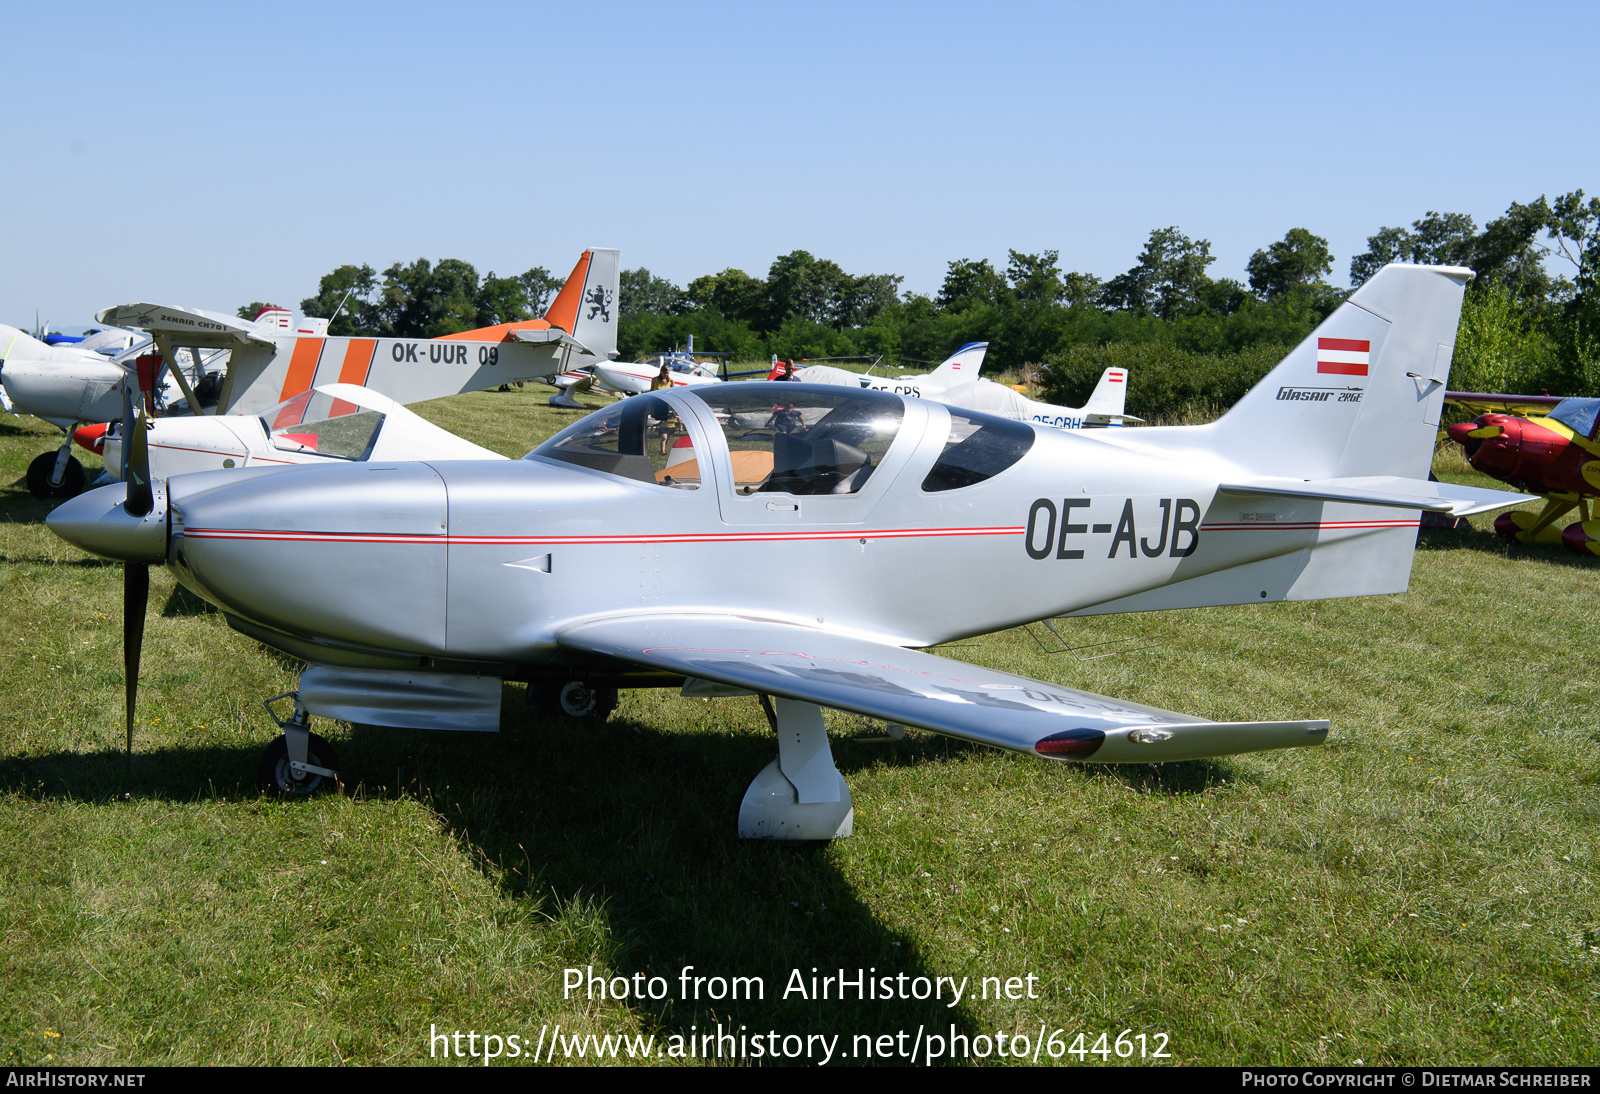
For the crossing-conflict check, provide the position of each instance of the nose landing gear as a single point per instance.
(299, 763)
(580, 699)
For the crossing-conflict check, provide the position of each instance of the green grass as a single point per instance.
(1421, 889)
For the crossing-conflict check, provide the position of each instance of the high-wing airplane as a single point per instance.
(802, 549)
(270, 361)
(391, 371)
(1544, 445)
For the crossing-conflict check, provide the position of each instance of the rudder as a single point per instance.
(1363, 393)
(587, 305)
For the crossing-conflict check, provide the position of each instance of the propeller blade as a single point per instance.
(140, 498)
(135, 598)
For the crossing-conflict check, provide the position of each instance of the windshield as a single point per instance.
(317, 422)
(1577, 415)
(799, 439)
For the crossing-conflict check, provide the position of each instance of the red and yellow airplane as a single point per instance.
(1539, 444)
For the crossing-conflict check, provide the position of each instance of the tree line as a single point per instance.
(1525, 326)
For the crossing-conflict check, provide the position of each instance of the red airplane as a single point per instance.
(1550, 448)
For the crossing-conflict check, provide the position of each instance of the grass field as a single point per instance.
(1421, 890)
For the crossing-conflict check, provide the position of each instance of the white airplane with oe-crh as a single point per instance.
(803, 550)
(956, 383)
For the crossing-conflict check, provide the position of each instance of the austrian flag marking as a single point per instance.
(1343, 356)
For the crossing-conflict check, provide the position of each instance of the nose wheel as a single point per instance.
(298, 763)
(580, 699)
(316, 775)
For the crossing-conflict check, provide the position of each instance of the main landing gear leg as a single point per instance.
(800, 795)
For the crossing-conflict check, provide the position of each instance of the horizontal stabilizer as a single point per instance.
(1387, 490)
(553, 335)
(918, 689)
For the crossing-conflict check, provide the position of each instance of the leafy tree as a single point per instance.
(968, 284)
(640, 291)
(539, 286)
(1223, 297)
(803, 287)
(425, 301)
(732, 293)
(865, 297)
(1508, 250)
(1035, 279)
(501, 300)
(1170, 276)
(1574, 227)
(352, 290)
(1297, 262)
(1499, 348)
(1438, 239)
(252, 309)
(1082, 290)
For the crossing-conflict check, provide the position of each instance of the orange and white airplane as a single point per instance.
(271, 362)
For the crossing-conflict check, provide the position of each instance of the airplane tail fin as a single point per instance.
(587, 305)
(1109, 399)
(1363, 393)
(1339, 437)
(963, 365)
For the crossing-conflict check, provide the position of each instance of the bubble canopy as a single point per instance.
(781, 438)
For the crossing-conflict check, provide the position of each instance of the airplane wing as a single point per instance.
(1526, 406)
(189, 326)
(918, 689)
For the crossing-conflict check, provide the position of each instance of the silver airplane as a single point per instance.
(800, 547)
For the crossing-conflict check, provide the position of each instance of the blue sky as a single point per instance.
(189, 155)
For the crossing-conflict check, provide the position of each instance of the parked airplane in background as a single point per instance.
(634, 377)
(1104, 408)
(1542, 444)
(62, 384)
(803, 552)
(267, 366)
(960, 367)
(248, 366)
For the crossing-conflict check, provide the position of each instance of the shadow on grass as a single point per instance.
(182, 602)
(86, 563)
(636, 823)
(17, 506)
(1488, 543)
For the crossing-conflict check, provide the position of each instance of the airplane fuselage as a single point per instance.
(61, 384)
(489, 562)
